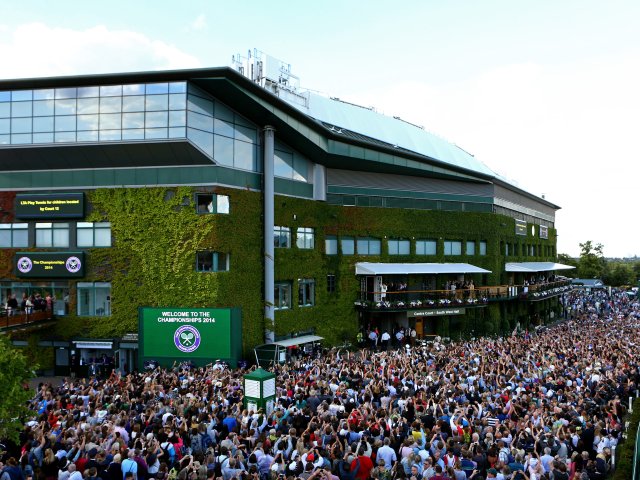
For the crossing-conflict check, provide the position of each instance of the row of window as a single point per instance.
(372, 246)
(305, 237)
(306, 293)
(526, 250)
(56, 235)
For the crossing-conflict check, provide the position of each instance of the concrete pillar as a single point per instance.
(268, 201)
(319, 182)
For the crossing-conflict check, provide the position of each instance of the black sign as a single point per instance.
(50, 205)
(49, 264)
(521, 227)
(436, 312)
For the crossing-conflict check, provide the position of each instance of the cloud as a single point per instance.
(200, 23)
(36, 50)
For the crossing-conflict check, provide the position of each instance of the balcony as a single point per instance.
(461, 298)
(11, 319)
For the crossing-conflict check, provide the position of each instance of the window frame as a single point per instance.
(305, 238)
(212, 204)
(450, 244)
(279, 289)
(84, 226)
(303, 294)
(93, 287)
(54, 226)
(346, 241)
(369, 242)
(331, 283)
(12, 228)
(471, 243)
(423, 242)
(215, 261)
(331, 240)
(278, 232)
(397, 242)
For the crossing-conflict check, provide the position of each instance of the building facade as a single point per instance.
(212, 188)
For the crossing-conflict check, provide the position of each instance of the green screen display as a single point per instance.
(203, 334)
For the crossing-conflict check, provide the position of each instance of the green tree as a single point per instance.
(565, 259)
(14, 375)
(591, 263)
(618, 274)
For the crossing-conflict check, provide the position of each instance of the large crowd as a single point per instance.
(529, 406)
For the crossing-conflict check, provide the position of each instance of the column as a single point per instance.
(268, 200)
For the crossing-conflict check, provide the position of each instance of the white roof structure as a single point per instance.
(529, 267)
(290, 342)
(365, 268)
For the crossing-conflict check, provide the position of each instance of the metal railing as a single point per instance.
(14, 318)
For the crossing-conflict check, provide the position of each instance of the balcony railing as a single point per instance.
(479, 296)
(16, 318)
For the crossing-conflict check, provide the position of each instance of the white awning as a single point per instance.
(93, 345)
(530, 267)
(365, 268)
(290, 342)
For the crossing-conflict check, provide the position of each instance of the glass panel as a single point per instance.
(111, 105)
(64, 137)
(471, 248)
(178, 102)
(134, 89)
(133, 134)
(85, 92)
(85, 237)
(133, 104)
(347, 245)
(110, 121)
(111, 90)
(20, 95)
(43, 108)
(65, 107)
(65, 124)
(20, 238)
(5, 96)
(21, 125)
(42, 124)
(156, 88)
(200, 105)
(110, 135)
(155, 133)
(43, 137)
(300, 168)
(483, 248)
(45, 94)
(5, 238)
(157, 119)
(5, 110)
(178, 87)
(43, 237)
(21, 138)
(222, 127)
(363, 246)
(223, 150)
(103, 237)
(282, 165)
(201, 122)
(133, 120)
(177, 132)
(88, 122)
(156, 102)
(5, 139)
(88, 136)
(88, 105)
(65, 93)
(244, 155)
(223, 112)
(5, 126)
(21, 109)
(177, 118)
(331, 245)
(246, 134)
(103, 304)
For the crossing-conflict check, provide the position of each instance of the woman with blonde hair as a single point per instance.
(49, 465)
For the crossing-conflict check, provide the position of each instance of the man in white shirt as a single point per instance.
(129, 465)
(384, 340)
(387, 454)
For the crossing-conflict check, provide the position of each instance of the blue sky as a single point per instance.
(545, 93)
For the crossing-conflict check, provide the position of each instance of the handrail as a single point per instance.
(10, 318)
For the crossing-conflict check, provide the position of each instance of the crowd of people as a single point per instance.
(549, 405)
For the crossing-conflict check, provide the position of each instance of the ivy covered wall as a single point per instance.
(156, 233)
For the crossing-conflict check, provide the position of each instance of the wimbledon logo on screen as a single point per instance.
(187, 339)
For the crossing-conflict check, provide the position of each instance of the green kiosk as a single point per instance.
(260, 391)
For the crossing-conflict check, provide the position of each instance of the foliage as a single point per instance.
(565, 259)
(617, 274)
(625, 451)
(592, 262)
(14, 374)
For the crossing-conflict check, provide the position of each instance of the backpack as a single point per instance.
(218, 466)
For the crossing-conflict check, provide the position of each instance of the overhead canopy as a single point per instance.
(365, 268)
(529, 267)
(290, 342)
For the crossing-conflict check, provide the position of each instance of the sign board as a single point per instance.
(544, 232)
(49, 206)
(521, 227)
(49, 264)
(199, 335)
(436, 312)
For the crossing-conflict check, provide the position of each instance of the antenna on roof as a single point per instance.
(413, 124)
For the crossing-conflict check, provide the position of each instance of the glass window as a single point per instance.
(212, 203)
(21, 109)
(305, 238)
(452, 247)
(111, 90)
(133, 104)
(244, 155)
(282, 295)
(471, 248)
(331, 245)
(14, 235)
(93, 234)
(43, 108)
(157, 88)
(133, 89)
(110, 105)
(368, 246)
(130, 120)
(66, 107)
(482, 247)
(306, 288)
(94, 299)
(200, 105)
(399, 247)
(45, 94)
(223, 150)
(52, 235)
(88, 105)
(156, 102)
(281, 237)
(207, 261)
(347, 245)
(43, 124)
(426, 247)
(157, 119)
(331, 283)
(87, 92)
